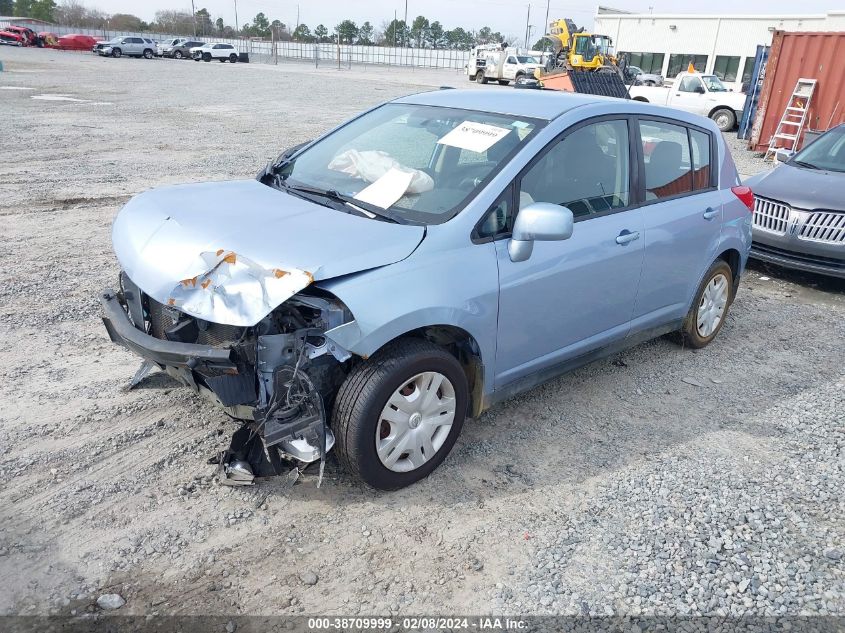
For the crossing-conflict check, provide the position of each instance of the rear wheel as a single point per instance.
(233, 58)
(710, 306)
(725, 119)
(397, 415)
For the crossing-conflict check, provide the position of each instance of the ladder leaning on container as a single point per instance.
(794, 117)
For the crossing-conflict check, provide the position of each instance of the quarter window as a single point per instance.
(701, 176)
(666, 153)
(588, 171)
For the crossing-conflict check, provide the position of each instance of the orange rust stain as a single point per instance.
(171, 301)
(206, 284)
(219, 252)
(190, 282)
(310, 277)
(231, 258)
(278, 273)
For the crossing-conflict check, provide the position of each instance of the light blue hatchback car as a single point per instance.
(429, 258)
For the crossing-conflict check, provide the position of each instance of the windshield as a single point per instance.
(827, 152)
(713, 83)
(527, 60)
(423, 163)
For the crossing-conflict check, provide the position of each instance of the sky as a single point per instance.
(507, 16)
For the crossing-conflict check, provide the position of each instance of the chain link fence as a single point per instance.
(323, 55)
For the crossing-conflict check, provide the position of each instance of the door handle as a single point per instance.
(709, 213)
(627, 236)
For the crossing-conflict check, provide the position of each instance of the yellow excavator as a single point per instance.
(575, 50)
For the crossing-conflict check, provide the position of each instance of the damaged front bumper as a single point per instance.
(257, 379)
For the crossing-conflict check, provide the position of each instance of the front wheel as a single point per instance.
(480, 77)
(148, 54)
(397, 415)
(116, 52)
(178, 54)
(710, 306)
(725, 119)
(206, 57)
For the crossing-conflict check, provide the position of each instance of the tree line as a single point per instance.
(420, 33)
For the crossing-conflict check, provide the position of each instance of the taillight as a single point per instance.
(746, 195)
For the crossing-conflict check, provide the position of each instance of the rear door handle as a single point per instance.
(709, 213)
(627, 236)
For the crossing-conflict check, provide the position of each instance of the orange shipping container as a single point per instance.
(795, 56)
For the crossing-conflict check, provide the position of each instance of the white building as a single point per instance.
(722, 45)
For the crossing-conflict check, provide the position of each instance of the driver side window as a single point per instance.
(587, 171)
(691, 84)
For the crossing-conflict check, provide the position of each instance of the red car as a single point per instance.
(20, 36)
(76, 42)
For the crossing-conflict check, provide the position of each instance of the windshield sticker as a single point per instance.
(475, 137)
(385, 191)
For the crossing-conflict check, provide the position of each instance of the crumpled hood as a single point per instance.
(231, 252)
(801, 188)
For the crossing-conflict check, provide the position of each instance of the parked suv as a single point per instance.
(131, 46)
(182, 49)
(424, 261)
(220, 52)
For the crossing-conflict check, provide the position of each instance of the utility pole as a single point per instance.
(546, 25)
(237, 29)
(405, 30)
(527, 20)
(194, 14)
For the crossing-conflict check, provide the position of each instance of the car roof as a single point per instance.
(536, 104)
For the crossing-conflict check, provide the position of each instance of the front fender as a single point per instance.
(454, 286)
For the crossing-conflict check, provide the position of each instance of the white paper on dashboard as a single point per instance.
(386, 190)
(475, 137)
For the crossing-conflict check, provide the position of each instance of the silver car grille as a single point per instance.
(824, 226)
(770, 216)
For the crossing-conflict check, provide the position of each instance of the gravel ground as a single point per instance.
(661, 481)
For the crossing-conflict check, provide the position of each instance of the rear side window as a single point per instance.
(666, 152)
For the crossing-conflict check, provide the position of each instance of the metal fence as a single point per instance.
(343, 55)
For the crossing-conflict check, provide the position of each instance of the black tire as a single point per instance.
(178, 55)
(206, 57)
(116, 52)
(363, 395)
(689, 334)
(233, 58)
(724, 118)
(503, 82)
(480, 77)
(148, 54)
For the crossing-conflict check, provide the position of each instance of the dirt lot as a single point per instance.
(660, 481)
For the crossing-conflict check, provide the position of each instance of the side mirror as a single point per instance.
(700, 90)
(541, 221)
(782, 155)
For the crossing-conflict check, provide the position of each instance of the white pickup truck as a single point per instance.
(502, 65)
(702, 94)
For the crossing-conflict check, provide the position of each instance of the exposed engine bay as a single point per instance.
(277, 377)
